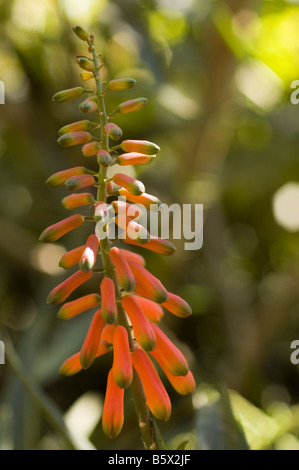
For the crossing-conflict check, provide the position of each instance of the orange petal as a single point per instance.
(61, 292)
(148, 285)
(92, 340)
(184, 385)
(72, 257)
(90, 253)
(72, 365)
(131, 256)
(177, 306)
(155, 244)
(113, 410)
(75, 307)
(152, 310)
(143, 330)
(168, 355)
(122, 363)
(107, 334)
(156, 396)
(124, 273)
(77, 200)
(56, 231)
(109, 308)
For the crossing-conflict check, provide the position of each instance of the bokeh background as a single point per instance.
(218, 77)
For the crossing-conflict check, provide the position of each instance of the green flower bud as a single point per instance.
(84, 125)
(131, 105)
(81, 33)
(85, 64)
(67, 95)
(88, 106)
(113, 131)
(74, 138)
(103, 157)
(122, 84)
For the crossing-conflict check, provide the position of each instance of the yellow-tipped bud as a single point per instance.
(67, 95)
(122, 84)
(81, 33)
(86, 76)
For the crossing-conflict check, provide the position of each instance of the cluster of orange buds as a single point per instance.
(130, 301)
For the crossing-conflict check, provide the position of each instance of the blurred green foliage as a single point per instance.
(218, 78)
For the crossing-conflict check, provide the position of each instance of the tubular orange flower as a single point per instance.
(91, 343)
(90, 149)
(72, 364)
(89, 255)
(134, 158)
(123, 271)
(152, 310)
(75, 307)
(113, 410)
(72, 257)
(142, 146)
(155, 244)
(77, 200)
(177, 306)
(133, 229)
(59, 178)
(143, 330)
(184, 385)
(122, 363)
(132, 185)
(107, 334)
(168, 355)
(144, 199)
(148, 285)
(109, 308)
(79, 181)
(130, 210)
(131, 256)
(74, 138)
(61, 292)
(56, 231)
(156, 396)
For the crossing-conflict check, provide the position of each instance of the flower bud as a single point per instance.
(75, 307)
(90, 149)
(134, 158)
(183, 384)
(85, 64)
(143, 199)
(156, 396)
(123, 271)
(132, 185)
(143, 330)
(59, 178)
(83, 125)
(79, 181)
(155, 244)
(86, 75)
(131, 105)
(109, 308)
(122, 368)
(72, 365)
(61, 292)
(104, 157)
(113, 131)
(131, 256)
(77, 200)
(81, 33)
(89, 255)
(90, 346)
(133, 230)
(74, 138)
(56, 231)
(148, 285)
(67, 95)
(142, 146)
(122, 84)
(177, 306)
(152, 310)
(113, 410)
(88, 106)
(72, 257)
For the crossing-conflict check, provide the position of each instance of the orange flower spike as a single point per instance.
(177, 306)
(155, 244)
(72, 257)
(123, 271)
(75, 307)
(134, 158)
(152, 310)
(113, 410)
(59, 178)
(77, 200)
(144, 199)
(131, 256)
(184, 385)
(109, 308)
(156, 396)
(79, 181)
(143, 330)
(132, 185)
(133, 229)
(148, 285)
(122, 364)
(56, 231)
(168, 355)
(61, 292)
(91, 343)
(89, 255)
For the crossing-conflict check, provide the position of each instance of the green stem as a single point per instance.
(145, 419)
